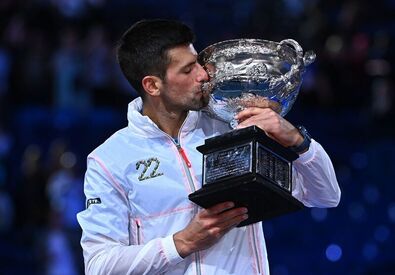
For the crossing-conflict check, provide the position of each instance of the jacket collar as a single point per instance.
(143, 126)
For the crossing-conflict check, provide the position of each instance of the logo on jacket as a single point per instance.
(93, 201)
(149, 170)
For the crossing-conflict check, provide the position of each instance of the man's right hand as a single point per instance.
(207, 227)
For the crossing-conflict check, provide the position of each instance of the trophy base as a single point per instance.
(250, 169)
(262, 198)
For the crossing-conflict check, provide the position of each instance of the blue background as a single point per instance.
(62, 94)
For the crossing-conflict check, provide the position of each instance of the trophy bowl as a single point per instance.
(250, 72)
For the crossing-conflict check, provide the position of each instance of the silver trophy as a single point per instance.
(244, 71)
(244, 165)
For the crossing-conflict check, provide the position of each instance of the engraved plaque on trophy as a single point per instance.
(244, 165)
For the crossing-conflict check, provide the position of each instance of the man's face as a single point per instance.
(182, 87)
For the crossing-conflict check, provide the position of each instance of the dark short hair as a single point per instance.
(143, 48)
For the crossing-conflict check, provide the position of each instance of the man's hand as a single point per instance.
(207, 227)
(274, 125)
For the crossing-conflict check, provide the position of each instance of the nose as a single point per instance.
(202, 75)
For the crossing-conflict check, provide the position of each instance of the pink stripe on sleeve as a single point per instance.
(116, 185)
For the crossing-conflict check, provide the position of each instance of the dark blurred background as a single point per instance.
(62, 94)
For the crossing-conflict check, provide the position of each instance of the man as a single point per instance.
(138, 218)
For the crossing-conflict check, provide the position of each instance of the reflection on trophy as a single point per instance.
(245, 166)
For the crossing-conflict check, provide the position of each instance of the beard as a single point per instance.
(193, 100)
(199, 103)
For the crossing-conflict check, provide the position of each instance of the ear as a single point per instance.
(152, 85)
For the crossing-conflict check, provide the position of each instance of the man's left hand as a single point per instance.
(274, 125)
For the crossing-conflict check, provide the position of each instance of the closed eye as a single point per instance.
(188, 70)
(189, 67)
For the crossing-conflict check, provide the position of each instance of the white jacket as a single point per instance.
(137, 184)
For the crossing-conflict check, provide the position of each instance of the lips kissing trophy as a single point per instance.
(244, 165)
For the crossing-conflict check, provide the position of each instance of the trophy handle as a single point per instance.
(295, 68)
(308, 57)
(298, 49)
(293, 76)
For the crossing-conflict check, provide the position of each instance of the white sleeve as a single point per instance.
(314, 179)
(105, 241)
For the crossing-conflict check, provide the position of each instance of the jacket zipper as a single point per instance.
(187, 164)
(256, 250)
(183, 155)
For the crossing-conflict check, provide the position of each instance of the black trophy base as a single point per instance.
(250, 169)
(262, 198)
